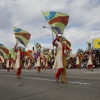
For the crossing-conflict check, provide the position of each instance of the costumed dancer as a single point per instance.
(1, 61)
(59, 62)
(90, 63)
(77, 61)
(12, 63)
(46, 63)
(25, 62)
(38, 64)
(8, 63)
(18, 64)
(30, 62)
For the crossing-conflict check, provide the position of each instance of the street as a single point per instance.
(82, 85)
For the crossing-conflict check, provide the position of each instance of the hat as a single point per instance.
(59, 35)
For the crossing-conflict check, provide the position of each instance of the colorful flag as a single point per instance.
(81, 54)
(89, 46)
(37, 45)
(58, 21)
(67, 42)
(13, 53)
(96, 43)
(45, 51)
(22, 36)
(3, 50)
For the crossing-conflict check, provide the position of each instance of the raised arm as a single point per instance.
(15, 46)
(54, 41)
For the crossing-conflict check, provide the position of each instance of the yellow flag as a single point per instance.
(96, 43)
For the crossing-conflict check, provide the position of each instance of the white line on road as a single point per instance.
(80, 83)
(91, 72)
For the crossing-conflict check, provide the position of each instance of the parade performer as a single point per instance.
(18, 64)
(8, 63)
(12, 66)
(60, 62)
(25, 62)
(90, 63)
(77, 61)
(1, 61)
(38, 64)
(30, 59)
(43, 62)
(46, 64)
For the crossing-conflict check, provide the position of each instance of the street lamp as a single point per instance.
(52, 36)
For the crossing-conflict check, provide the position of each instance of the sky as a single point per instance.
(83, 25)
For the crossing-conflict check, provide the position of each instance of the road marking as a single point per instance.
(80, 83)
(92, 72)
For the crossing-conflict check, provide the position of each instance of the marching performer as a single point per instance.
(60, 61)
(18, 64)
(30, 59)
(90, 63)
(8, 63)
(43, 62)
(25, 62)
(38, 64)
(1, 60)
(12, 66)
(77, 61)
(46, 64)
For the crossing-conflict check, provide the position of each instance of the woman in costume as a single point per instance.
(38, 64)
(19, 58)
(90, 63)
(12, 63)
(1, 60)
(46, 64)
(30, 59)
(77, 61)
(8, 63)
(60, 61)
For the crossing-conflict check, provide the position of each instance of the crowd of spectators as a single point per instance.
(84, 60)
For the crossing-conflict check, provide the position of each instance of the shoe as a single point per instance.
(57, 80)
(91, 69)
(63, 82)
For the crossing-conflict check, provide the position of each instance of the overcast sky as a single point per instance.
(83, 25)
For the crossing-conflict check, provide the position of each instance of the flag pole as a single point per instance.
(92, 43)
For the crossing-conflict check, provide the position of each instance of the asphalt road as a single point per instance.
(82, 85)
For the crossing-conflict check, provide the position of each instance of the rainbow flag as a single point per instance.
(3, 50)
(58, 21)
(22, 36)
(67, 42)
(37, 45)
(45, 50)
(89, 46)
(13, 53)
